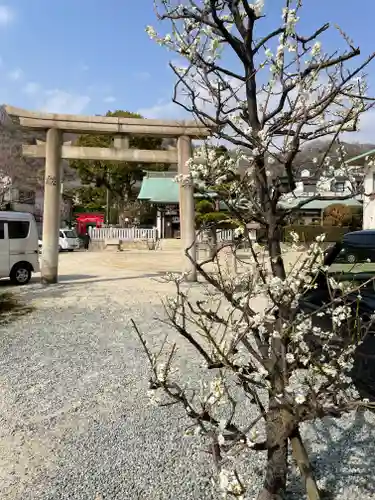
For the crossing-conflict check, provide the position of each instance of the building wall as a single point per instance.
(326, 188)
(27, 174)
(368, 203)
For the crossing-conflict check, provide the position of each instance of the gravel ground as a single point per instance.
(75, 420)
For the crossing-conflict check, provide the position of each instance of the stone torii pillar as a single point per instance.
(187, 209)
(51, 211)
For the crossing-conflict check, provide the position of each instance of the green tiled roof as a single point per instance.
(159, 190)
(362, 155)
(163, 189)
(319, 204)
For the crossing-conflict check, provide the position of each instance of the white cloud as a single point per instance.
(163, 109)
(15, 74)
(109, 99)
(6, 15)
(60, 101)
(31, 88)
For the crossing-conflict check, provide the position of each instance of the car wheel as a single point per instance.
(351, 258)
(71, 250)
(20, 274)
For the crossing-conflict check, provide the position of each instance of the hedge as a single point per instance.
(219, 220)
(309, 233)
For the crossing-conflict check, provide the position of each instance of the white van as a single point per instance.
(68, 241)
(18, 246)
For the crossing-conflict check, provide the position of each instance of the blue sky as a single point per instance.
(88, 56)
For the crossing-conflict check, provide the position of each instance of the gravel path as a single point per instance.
(75, 420)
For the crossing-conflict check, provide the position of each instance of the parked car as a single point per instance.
(18, 246)
(358, 246)
(68, 241)
(363, 372)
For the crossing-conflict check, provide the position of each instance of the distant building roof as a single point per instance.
(162, 189)
(318, 204)
(362, 155)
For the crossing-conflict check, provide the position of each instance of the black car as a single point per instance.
(358, 246)
(362, 310)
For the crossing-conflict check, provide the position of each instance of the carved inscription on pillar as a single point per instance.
(51, 180)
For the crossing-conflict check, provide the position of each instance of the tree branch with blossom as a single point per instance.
(282, 92)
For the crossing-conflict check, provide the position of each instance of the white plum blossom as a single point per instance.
(316, 49)
(290, 357)
(268, 53)
(300, 399)
(257, 7)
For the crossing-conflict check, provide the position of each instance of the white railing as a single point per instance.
(225, 235)
(221, 234)
(121, 233)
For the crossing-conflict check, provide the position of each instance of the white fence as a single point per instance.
(121, 233)
(221, 234)
(225, 235)
(134, 233)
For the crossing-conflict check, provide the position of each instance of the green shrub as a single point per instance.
(308, 234)
(204, 206)
(220, 220)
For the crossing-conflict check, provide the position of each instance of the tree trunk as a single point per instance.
(121, 212)
(302, 459)
(278, 423)
(277, 457)
(212, 242)
(234, 260)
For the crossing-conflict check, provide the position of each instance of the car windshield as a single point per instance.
(70, 234)
(350, 261)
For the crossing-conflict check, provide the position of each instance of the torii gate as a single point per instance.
(121, 128)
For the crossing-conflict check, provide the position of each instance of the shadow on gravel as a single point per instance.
(69, 282)
(347, 459)
(35, 280)
(78, 279)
